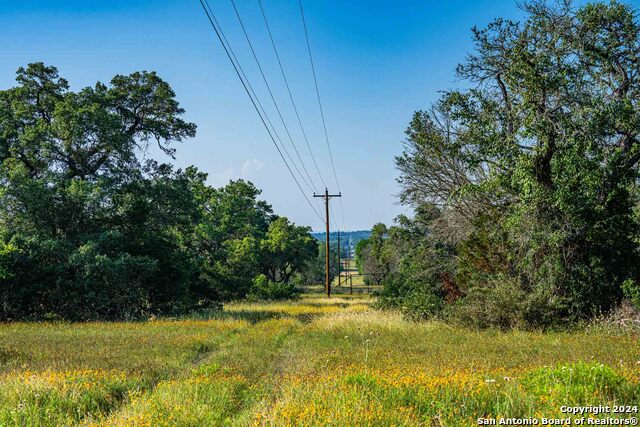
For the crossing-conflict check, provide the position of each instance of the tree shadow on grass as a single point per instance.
(249, 315)
(254, 317)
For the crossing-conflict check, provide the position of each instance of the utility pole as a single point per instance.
(326, 196)
(339, 261)
(348, 260)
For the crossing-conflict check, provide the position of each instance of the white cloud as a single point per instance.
(248, 170)
(253, 165)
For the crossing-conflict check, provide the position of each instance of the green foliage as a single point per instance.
(417, 301)
(314, 271)
(501, 305)
(264, 289)
(373, 257)
(348, 239)
(535, 167)
(359, 254)
(631, 291)
(90, 231)
(7, 252)
(414, 267)
(130, 265)
(227, 240)
(286, 249)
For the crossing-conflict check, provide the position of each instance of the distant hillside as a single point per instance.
(355, 237)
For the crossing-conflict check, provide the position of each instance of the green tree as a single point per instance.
(315, 269)
(286, 249)
(89, 230)
(421, 268)
(536, 164)
(375, 258)
(49, 130)
(228, 237)
(93, 230)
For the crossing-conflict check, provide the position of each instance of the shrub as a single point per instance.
(499, 306)
(631, 291)
(111, 286)
(265, 289)
(417, 300)
(422, 304)
(504, 304)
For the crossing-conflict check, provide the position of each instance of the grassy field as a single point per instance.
(308, 362)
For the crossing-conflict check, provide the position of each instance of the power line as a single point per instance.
(275, 104)
(286, 82)
(227, 49)
(315, 80)
(257, 99)
(255, 96)
(324, 124)
(333, 218)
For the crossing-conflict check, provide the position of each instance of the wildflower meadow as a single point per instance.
(309, 362)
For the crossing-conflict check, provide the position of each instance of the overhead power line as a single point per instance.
(246, 85)
(324, 123)
(315, 80)
(255, 96)
(286, 82)
(275, 104)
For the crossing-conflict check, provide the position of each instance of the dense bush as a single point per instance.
(264, 289)
(631, 291)
(417, 267)
(418, 301)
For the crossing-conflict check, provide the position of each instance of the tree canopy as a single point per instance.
(534, 166)
(90, 228)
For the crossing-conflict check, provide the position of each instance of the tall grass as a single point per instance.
(313, 361)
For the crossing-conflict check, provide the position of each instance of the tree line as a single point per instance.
(91, 229)
(525, 183)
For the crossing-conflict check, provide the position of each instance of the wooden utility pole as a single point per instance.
(326, 196)
(348, 273)
(339, 261)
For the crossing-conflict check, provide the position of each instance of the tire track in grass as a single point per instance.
(200, 350)
(263, 356)
(225, 380)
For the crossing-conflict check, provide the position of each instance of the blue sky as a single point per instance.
(377, 62)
